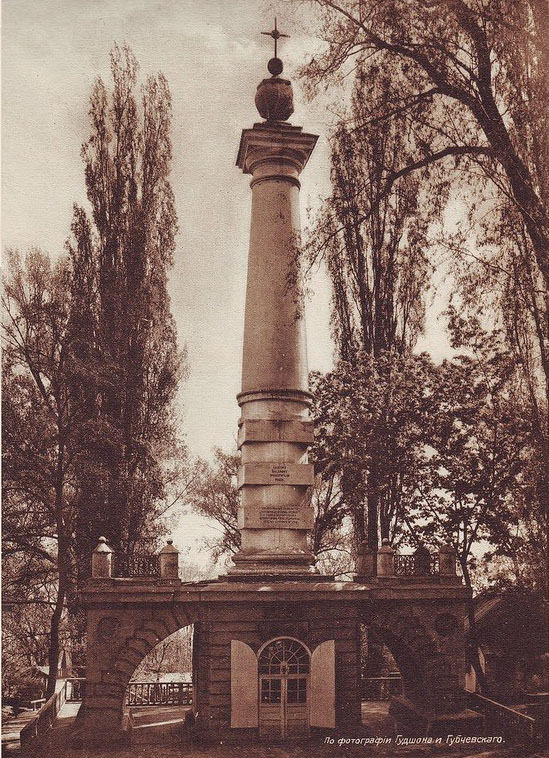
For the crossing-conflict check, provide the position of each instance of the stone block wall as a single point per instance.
(421, 625)
(310, 624)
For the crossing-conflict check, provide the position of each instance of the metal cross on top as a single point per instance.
(276, 35)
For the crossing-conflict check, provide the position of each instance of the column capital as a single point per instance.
(281, 144)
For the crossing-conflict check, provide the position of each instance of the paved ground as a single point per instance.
(154, 725)
(58, 737)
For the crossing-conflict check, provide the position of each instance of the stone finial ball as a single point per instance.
(275, 66)
(274, 99)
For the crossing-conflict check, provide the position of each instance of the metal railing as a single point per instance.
(380, 687)
(500, 719)
(412, 565)
(126, 565)
(159, 693)
(75, 689)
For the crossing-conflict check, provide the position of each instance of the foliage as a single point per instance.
(470, 82)
(487, 460)
(371, 427)
(213, 494)
(91, 366)
(479, 441)
(473, 81)
(172, 655)
(375, 244)
(127, 366)
(41, 425)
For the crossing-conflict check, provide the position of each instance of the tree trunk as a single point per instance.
(473, 641)
(373, 507)
(54, 647)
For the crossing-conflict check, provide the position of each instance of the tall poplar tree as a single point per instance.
(375, 248)
(127, 365)
(91, 364)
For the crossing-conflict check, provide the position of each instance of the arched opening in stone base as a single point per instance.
(160, 694)
(427, 648)
(119, 640)
(399, 660)
(381, 678)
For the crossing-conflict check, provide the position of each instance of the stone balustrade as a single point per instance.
(387, 563)
(107, 564)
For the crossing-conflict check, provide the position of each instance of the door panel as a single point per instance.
(284, 667)
(297, 712)
(283, 708)
(270, 707)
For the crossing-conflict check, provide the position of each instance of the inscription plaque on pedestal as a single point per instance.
(276, 473)
(298, 516)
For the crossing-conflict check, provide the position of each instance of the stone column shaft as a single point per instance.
(275, 429)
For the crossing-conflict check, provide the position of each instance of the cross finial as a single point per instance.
(276, 35)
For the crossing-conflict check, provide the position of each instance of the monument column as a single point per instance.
(275, 429)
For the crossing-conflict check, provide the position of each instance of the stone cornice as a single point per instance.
(282, 142)
(137, 591)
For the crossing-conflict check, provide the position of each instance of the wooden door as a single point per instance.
(284, 689)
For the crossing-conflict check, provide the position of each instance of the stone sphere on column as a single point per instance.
(274, 99)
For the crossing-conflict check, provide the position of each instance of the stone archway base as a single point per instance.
(422, 619)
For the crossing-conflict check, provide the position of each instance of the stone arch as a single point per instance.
(122, 639)
(427, 651)
(412, 646)
(408, 662)
(149, 633)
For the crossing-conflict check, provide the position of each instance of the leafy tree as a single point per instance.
(477, 475)
(374, 244)
(470, 79)
(374, 414)
(213, 494)
(41, 425)
(126, 363)
(500, 282)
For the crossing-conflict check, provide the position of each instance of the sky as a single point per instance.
(213, 55)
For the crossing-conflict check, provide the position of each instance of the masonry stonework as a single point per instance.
(127, 618)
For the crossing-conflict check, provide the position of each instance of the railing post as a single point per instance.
(385, 560)
(102, 560)
(446, 561)
(169, 561)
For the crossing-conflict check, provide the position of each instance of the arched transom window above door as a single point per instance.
(284, 657)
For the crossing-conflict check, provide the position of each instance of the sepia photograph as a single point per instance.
(275, 378)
